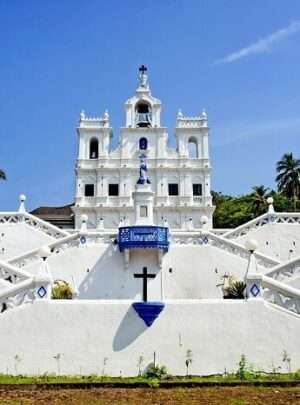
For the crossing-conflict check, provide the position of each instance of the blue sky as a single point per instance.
(239, 59)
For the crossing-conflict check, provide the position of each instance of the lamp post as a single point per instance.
(253, 278)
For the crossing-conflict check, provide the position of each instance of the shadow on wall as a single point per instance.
(108, 279)
(105, 279)
(129, 330)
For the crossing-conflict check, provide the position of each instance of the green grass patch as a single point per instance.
(152, 382)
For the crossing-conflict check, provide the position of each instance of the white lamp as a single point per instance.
(44, 252)
(203, 219)
(84, 218)
(271, 210)
(251, 245)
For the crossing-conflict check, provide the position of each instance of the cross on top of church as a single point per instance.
(143, 69)
(143, 76)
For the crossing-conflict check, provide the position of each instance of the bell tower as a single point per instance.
(143, 110)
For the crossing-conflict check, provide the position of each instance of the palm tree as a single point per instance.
(288, 178)
(2, 175)
(259, 199)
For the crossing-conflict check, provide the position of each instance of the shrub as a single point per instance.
(155, 371)
(242, 370)
(61, 290)
(235, 290)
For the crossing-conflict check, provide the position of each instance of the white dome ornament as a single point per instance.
(179, 114)
(204, 114)
(44, 252)
(251, 245)
(106, 115)
(203, 222)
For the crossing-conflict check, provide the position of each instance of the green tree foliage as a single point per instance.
(259, 199)
(232, 211)
(288, 178)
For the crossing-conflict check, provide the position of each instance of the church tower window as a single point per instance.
(143, 116)
(193, 148)
(143, 144)
(113, 190)
(173, 189)
(197, 189)
(89, 190)
(94, 148)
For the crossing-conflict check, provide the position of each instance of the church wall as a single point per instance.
(108, 338)
(18, 238)
(98, 271)
(280, 241)
(197, 271)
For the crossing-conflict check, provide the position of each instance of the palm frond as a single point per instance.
(2, 175)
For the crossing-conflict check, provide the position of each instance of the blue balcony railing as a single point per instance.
(143, 237)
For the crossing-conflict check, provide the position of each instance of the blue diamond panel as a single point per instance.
(254, 290)
(83, 240)
(42, 292)
(148, 311)
(143, 237)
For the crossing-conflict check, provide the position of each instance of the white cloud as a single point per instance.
(264, 44)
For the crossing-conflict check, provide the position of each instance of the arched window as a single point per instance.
(143, 144)
(94, 148)
(193, 148)
(143, 117)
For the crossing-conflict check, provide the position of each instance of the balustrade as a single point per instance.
(143, 237)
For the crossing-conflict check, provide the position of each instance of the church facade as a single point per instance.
(149, 276)
(180, 177)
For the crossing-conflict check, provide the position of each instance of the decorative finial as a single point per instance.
(143, 179)
(270, 202)
(179, 114)
(143, 76)
(204, 114)
(82, 115)
(106, 115)
(22, 199)
(83, 228)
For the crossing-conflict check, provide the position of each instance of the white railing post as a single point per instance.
(44, 280)
(253, 278)
(22, 209)
(271, 211)
(42, 287)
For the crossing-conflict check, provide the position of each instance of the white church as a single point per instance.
(148, 271)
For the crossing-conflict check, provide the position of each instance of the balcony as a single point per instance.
(144, 237)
